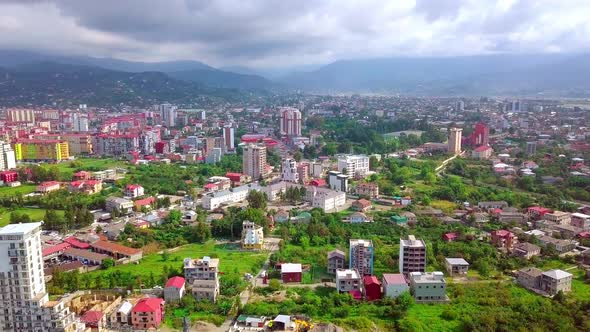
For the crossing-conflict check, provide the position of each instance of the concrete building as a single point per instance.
(412, 255)
(372, 288)
(148, 313)
(214, 156)
(336, 260)
(327, 200)
(504, 239)
(428, 287)
(134, 190)
(526, 250)
(79, 122)
(20, 115)
(213, 200)
(338, 181)
(394, 284)
(529, 277)
(229, 138)
(254, 161)
(202, 275)
(559, 217)
(348, 280)
(580, 220)
(369, 190)
(360, 256)
(41, 150)
(168, 115)
(121, 317)
(482, 152)
(553, 281)
(456, 267)
(290, 121)
(531, 148)
(252, 236)
(303, 171)
(354, 165)
(122, 205)
(454, 146)
(26, 305)
(7, 157)
(289, 171)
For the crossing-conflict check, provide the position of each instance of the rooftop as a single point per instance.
(427, 277)
(557, 274)
(20, 229)
(394, 278)
(456, 261)
(344, 274)
(412, 242)
(290, 268)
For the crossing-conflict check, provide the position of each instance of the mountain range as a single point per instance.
(548, 75)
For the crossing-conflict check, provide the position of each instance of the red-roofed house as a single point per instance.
(48, 186)
(504, 239)
(147, 313)
(77, 243)
(537, 212)
(318, 182)
(85, 187)
(361, 205)
(55, 251)
(8, 176)
(450, 237)
(394, 284)
(146, 202)
(209, 187)
(82, 175)
(238, 178)
(482, 152)
(93, 319)
(372, 288)
(134, 190)
(174, 289)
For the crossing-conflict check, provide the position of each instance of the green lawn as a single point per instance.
(68, 168)
(35, 214)
(230, 258)
(24, 189)
(446, 206)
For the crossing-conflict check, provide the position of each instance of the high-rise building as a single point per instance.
(289, 170)
(290, 121)
(229, 138)
(531, 148)
(79, 122)
(455, 141)
(354, 165)
(168, 114)
(361, 256)
(459, 106)
(7, 157)
(480, 135)
(20, 115)
(254, 161)
(412, 255)
(338, 181)
(303, 171)
(26, 305)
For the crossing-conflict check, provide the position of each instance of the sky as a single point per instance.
(288, 33)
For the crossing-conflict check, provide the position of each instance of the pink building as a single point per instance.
(504, 239)
(147, 313)
(134, 190)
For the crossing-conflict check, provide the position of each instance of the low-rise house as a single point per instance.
(504, 239)
(428, 287)
(537, 212)
(480, 217)
(558, 217)
(122, 205)
(174, 289)
(580, 220)
(248, 323)
(529, 277)
(134, 190)
(561, 246)
(94, 319)
(410, 217)
(291, 272)
(189, 217)
(358, 217)
(205, 268)
(48, 186)
(372, 288)
(399, 220)
(526, 250)
(281, 216)
(554, 281)
(121, 316)
(482, 152)
(144, 203)
(85, 256)
(336, 260)
(147, 313)
(456, 266)
(87, 187)
(394, 284)
(348, 280)
(508, 216)
(430, 212)
(361, 205)
(492, 205)
(117, 251)
(566, 231)
(369, 190)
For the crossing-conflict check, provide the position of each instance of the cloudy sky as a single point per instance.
(284, 33)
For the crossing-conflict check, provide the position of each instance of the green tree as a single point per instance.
(256, 199)
(107, 263)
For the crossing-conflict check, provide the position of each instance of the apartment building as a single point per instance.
(338, 181)
(412, 255)
(369, 190)
(254, 161)
(289, 171)
(348, 280)
(290, 121)
(41, 150)
(454, 145)
(252, 236)
(79, 144)
(110, 144)
(336, 260)
(354, 165)
(428, 287)
(7, 157)
(361, 256)
(580, 220)
(559, 217)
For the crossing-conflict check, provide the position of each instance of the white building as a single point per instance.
(394, 284)
(290, 121)
(235, 195)
(338, 181)
(26, 305)
(7, 157)
(354, 165)
(347, 280)
(168, 114)
(289, 171)
(412, 255)
(325, 199)
(428, 287)
(229, 138)
(252, 235)
(214, 156)
(79, 122)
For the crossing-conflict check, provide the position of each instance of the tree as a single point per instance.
(107, 263)
(274, 285)
(256, 199)
(165, 255)
(298, 156)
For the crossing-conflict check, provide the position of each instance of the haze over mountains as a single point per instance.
(547, 75)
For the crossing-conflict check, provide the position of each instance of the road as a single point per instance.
(445, 162)
(272, 245)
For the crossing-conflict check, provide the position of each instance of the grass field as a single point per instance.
(68, 168)
(231, 258)
(24, 189)
(35, 214)
(446, 206)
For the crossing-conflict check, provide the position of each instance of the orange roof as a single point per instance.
(114, 247)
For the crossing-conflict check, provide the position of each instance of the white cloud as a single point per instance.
(291, 32)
